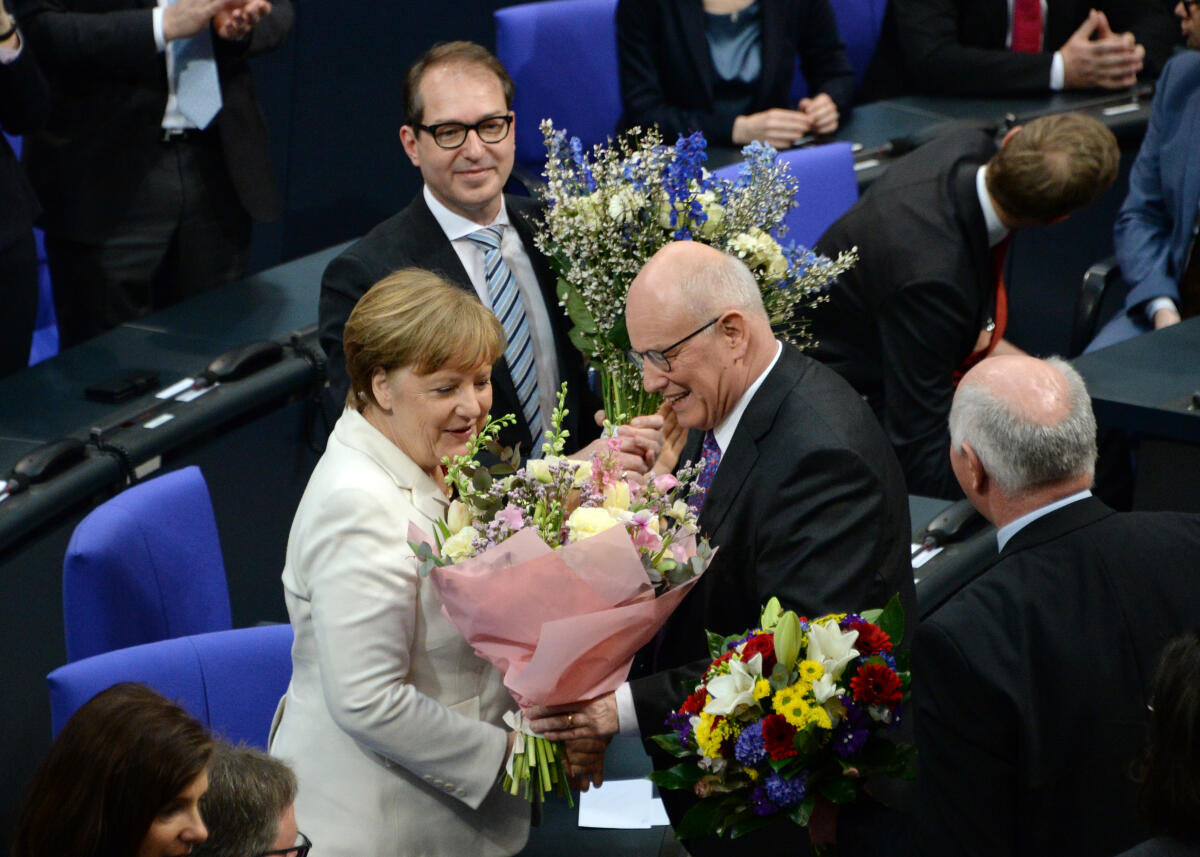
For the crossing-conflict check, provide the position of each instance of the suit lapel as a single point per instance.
(1056, 524)
(738, 461)
(970, 213)
(690, 14)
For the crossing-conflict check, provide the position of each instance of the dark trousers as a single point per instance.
(185, 233)
(19, 288)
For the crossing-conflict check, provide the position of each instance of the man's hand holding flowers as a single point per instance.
(641, 441)
(595, 718)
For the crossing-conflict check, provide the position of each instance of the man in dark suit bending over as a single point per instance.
(807, 501)
(1032, 682)
(926, 301)
(458, 132)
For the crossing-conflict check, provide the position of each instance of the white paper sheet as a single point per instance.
(621, 805)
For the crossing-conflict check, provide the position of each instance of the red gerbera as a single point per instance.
(777, 736)
(876, 684)
(694, 704)
(761, 644)
(871, 638)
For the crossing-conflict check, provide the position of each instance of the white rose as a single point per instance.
(616, 496)
(458, 516)
(539, 469)
(583, 472)
(589, 521)
(458, 546)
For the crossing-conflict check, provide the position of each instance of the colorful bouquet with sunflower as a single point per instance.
(791, 713)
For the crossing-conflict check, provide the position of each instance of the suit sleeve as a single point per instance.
(640, 42)
(922, 331)
(965, 751)
(938, 62)
(823, 57)
(346, 279)
(1142, 232)
(364, 587)
(98, 43)
(24, 95)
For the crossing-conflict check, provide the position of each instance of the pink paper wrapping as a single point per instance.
(561, 625)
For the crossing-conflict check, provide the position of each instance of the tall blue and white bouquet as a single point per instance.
(610, 210)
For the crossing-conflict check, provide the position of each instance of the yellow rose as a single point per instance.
(616, 496)
(583, 472)
(458, 516)
(458, 546)
(589, 521)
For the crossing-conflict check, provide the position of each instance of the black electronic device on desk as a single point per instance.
(950, 551)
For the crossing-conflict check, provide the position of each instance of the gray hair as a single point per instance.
(247, 792)
(1021, 454)
(711, 288)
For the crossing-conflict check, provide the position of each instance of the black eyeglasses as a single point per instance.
(300, 850)
(658, 358)
(451, 135)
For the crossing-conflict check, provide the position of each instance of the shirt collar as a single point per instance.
(725, 430)
(455, 225)
(1013, 527)
(996, 230)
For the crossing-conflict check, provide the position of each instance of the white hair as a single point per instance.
(712, 288)
(1021, 454)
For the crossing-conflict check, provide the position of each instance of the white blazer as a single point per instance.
(390, 720)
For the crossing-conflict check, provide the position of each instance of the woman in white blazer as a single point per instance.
(391, 721)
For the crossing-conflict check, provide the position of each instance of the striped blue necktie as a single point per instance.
(507, 305)
(197, 86)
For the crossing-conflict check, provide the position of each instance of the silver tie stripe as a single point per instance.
(508, 307)
(197, 85)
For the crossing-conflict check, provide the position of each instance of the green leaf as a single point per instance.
(425, 567)
(697, 564)
(584, 342)
(677, 573)
(618, 336)
(891, 620)
(748, 824)
(501, 469)
(671, 744)
(482, 480)
(704, 818)
(577, 311)
(682, 776)
(802, 811)
(839, 790)
(716, 645)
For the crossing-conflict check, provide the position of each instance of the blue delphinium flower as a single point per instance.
(760, 802)
(750, 749)
(851, 733)
(784, 792)
(681, 723)
(582, 167)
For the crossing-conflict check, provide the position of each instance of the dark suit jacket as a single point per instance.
(808, 505)
(900, 323)
(1031, 684)
(110, 90)
(24, 103)
(957, 46)
(414, 239)
(667, 72)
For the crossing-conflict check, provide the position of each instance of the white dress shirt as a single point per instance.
(172, 118)
(723, 432)
(996, 230)
(458, 229)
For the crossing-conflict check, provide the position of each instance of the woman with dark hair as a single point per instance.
(123, 779)
(1170, 798)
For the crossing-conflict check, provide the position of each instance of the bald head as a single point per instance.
(702, 311)
(1029, 421)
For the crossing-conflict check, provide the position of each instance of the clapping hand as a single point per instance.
(238, 18)
(1095, 56)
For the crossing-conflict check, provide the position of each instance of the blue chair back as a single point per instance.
(859, 24)
(231, 681)
(145, 566)
(562, 55)
(827, 187)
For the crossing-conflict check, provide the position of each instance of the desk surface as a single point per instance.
(1145, 384)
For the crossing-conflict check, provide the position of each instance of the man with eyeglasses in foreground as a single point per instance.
(804, 500)
(249, 806)
(458, 132)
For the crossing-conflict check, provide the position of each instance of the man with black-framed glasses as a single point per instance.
(458, 132)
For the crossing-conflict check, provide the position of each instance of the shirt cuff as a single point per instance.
(9, 55)
(1058, 72)
(627, 723)
(160, 40)
(1153, 306)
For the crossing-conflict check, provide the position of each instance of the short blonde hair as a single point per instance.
(417, 319)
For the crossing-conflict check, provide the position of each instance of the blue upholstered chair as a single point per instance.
(231, 681)
(145, 566)
(859, 23)
(827, 187)
(562, 55)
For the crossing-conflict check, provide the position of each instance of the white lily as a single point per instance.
(734, 689)
(831, 647)
(824, 688)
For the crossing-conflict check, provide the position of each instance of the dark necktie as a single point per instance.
(710, 459)
(1027, 26)
(999, 319)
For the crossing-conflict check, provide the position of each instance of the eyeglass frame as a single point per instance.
(468, 128)
(658, 356)
(300, 850)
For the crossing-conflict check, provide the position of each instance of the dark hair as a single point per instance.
(122, 757)
(1170, 796)
(450, 53)
(247, 792)
(1053, 166)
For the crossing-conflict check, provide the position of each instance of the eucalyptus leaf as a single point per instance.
(482, 481)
